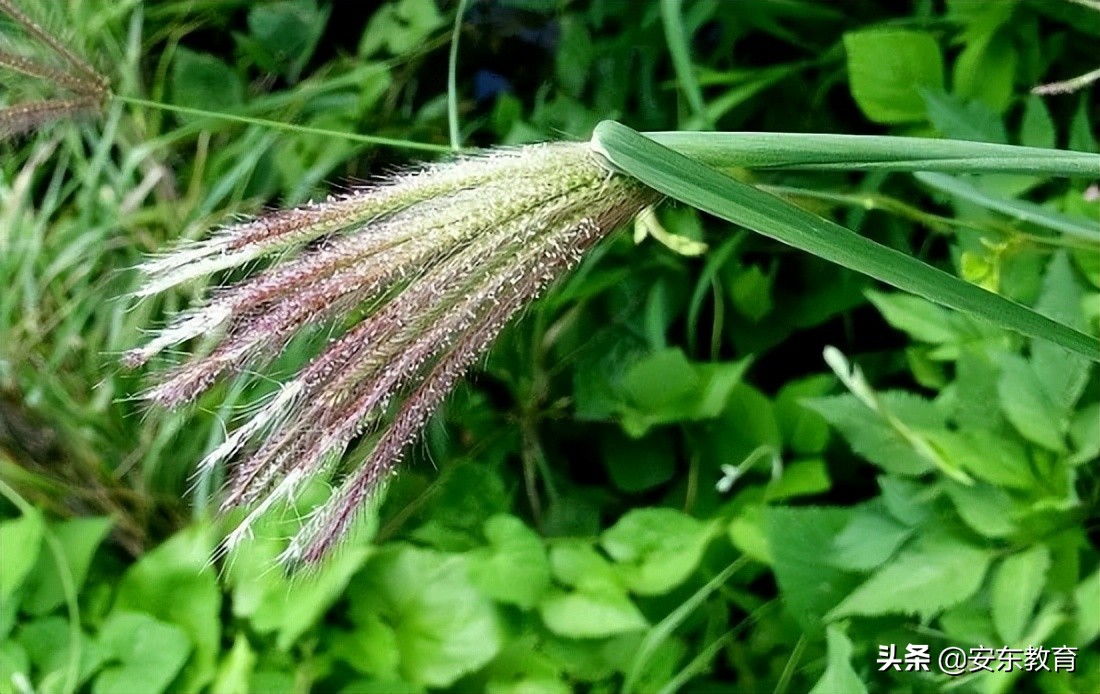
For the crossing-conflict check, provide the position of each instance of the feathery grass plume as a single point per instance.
(447, 255)
(30, 51)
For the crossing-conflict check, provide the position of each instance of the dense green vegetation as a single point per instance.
(705, 462)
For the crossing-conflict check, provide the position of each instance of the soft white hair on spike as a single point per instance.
(449, 255)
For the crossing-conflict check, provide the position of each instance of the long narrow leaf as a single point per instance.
(701, 186)
(1021, 210)
(680, 51)
(868, 152)
(663, 629)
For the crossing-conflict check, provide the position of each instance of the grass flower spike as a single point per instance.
(444, 257)
(29, 52)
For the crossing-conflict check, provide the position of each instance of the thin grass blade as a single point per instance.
(1020, 210)
(664, 629)
(679, 50)
(872, 152)
(703, 187)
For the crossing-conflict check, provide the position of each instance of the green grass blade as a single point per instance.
(286, 127)
(1020, 210)
(869, 152)
(452, 88)
(664, 629)
(696, 665)
(680, 52)
(701, 186)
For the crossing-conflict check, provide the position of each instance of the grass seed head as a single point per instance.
(447, 256)
(34, 57)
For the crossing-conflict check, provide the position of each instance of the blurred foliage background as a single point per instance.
(655, 482)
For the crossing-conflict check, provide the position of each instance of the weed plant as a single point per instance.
(954, 510)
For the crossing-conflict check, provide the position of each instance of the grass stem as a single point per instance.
(286, 127)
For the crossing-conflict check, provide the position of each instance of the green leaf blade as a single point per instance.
(830, 152)
(939, 573)
(886, 68)
(698, 185)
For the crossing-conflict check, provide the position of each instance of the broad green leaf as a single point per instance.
(700, 186)
(596, 388)
(1086, 602)
(979, 19)
(746, 433)
(79, 538)
(1015, 589)
(523, 667)
(445, 627)
(1002, 460)
(985, 70)
(200, 80)
(1087, 263)
(1037, 128)
(49, 643)
(839, 676)
(977, 405)
(656, 549)
(797, 541)
(938, 572)
(637, 464)
(886, 67)
(751, 293)
(150, 654)
(1081, 137)
(868, 539)
(577, 513)
(590, 614)
(577, 563)
(921, 319)
(799, 478)
(9, 611)
(1063, 376)
(908, 501)
(963, 120)
(367, 686)
(21, 539)
(283, 681)
(666, 387)
(461, 501)
(803, 431)
(514, 567)
(661, 381)
(828, 152)
(1084, 431)
(746, 533)
(283, 35)
(577, 658)
(176, 584)
(401, 27)
(372, 647)
(14, 663)
(988, 510)
(289, 608)
(1027, 406)
(236, 668)
(876, 439)
(968, 621)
